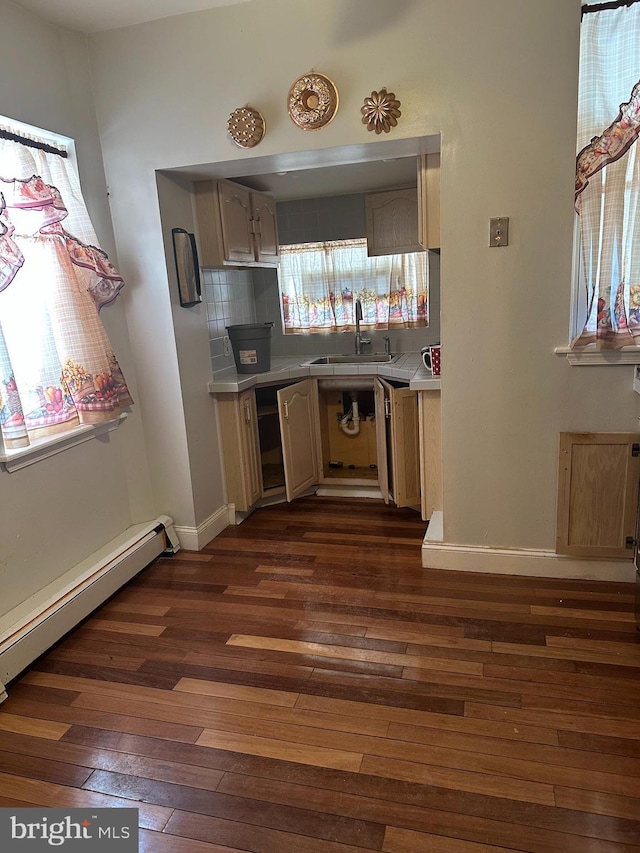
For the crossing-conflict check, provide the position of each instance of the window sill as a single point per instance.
(597, 358)
(14, 460)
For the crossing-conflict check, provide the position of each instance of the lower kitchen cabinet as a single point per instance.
(598, 479)
(287, 439)
(430, 442)
(238, 426)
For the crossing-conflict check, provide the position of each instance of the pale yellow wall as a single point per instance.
(497, 79)
(55, 513)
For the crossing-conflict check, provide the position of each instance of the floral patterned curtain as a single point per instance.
(320, 283)
(608, 178)
(57, 368)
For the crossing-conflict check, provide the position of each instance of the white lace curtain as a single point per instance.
(320, 283)
(57, 368)
(608, 177)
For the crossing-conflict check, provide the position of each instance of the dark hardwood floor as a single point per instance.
(303, 686)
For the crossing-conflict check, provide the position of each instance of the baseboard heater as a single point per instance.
(35, 625)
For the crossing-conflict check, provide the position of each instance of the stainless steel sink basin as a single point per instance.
(369, 358)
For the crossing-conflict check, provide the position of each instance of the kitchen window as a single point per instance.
(58, 372)
(321, 282)
(606, 311)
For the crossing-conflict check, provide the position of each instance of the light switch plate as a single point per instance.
(499, 231)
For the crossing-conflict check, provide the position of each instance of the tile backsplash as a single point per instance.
(252, 296)
(230, 300)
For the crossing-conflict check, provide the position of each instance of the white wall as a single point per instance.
(55, 513)
(498, 80)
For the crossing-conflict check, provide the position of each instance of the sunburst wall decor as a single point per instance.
(381, 111)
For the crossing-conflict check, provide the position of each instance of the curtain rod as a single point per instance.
(601, 7)
(32, 143)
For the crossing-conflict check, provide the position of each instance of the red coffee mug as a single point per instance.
(431, 359)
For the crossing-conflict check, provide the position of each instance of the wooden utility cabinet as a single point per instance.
(264, 457)
(598, 477)
(236, 226)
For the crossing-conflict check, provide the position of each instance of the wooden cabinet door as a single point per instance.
(382, 393)
(429, 201)
(400, 428)
(238, 426)
(430, 431)
(250, 446)
(298, 412)
(236, 222)
(598, 476)
(265, 229)
(392, 222)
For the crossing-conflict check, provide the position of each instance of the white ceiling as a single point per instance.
(92, 16)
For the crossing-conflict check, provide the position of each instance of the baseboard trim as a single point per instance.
(513, 561)
(195, 538)
(33, 626)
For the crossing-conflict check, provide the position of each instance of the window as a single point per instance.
(57, 368)
(321, 282)
(608, 177)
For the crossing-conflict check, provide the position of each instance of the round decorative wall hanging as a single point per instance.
(381, 111)
(246, 127)
(312, 101)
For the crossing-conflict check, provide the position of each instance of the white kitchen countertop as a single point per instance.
(407, 367)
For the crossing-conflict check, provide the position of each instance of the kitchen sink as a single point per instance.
(369, 358)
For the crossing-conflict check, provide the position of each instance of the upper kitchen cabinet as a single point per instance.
(429, 201)
(236, 225)
(265, 229)
(392, 222)
(406, 220)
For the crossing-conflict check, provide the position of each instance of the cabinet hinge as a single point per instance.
(629, 542)
(635, 449)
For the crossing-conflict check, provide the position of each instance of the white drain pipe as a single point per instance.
(350, 423)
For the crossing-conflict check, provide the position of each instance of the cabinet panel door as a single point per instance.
(429, 417)
(298, 412)
(392, 222)
(236, 222)
(405, 450)
(265, 229)
(382, 391)
(237, 423)
(598, 479)
(398, 449)
(250, 445)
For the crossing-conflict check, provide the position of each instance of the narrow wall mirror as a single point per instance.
(187, 269)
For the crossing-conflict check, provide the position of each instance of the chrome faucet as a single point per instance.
(359, 339)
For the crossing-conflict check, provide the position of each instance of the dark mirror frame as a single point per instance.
(187, 267)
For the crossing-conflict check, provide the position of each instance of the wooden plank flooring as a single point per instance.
(303, 686)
